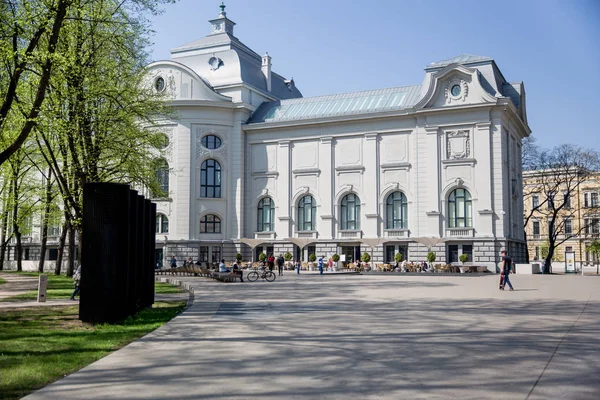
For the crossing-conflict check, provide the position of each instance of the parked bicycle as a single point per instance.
(261, 273)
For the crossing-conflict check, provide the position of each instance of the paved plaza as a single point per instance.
(386, 336)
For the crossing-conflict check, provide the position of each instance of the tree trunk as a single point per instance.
(15, 224)
(45, 221)
(61, 248)
(71, 262)
(79, 244)
(4, 240)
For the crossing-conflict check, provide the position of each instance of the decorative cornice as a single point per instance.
(461, 161)
(307, 171)
(349, 168)
(395, 165)
(265, 174)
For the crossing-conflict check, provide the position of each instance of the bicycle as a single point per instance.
(269, 276)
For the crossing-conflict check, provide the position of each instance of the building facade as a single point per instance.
(576, 224)
(255, 167)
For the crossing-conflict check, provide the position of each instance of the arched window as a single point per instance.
(210, 179)
(350, 212)
(307, 214)
(162, 177)
(210, 223)
(211, 142)
(396, 211)
(266, 215)
(460, 209)
(162, 223)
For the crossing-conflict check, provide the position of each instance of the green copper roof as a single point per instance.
(337, 105)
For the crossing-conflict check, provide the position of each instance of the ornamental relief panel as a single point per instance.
(458, 145)
(456, 91)
(202, 151)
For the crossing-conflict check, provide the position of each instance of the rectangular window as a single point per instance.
(390, 252)
(569, 249)
(468, 250)
(216, 254)
(594, 199)
(567, 200)
(26, 254)
(568, 227)
(536, 228)
(535, 201)
(550, 201)
(453, 253)
(586, 200)
(52, 254)
(203, 257)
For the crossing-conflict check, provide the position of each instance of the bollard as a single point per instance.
(42, 288)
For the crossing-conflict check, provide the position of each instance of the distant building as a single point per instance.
(578, 222)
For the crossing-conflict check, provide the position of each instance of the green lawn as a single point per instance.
(40, 345)
(61, 287)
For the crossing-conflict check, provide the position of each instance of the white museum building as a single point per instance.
(255, 167)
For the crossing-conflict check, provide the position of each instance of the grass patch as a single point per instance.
(59, 287)
(2, 281)
(166, 288)
(42, 344)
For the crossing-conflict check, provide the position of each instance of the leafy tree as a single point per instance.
(238, 257)
(463, 258)
(262, 257)
(398, 257)
(312, 257)
(287, 256)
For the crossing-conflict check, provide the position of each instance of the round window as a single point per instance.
(211, 142)
(455, 90)
(159, 84)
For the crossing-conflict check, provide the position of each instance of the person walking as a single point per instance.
(505, 271)
(320, 265)
(298, 264)
(271, 263)
(77, 279)
(280, 262)
(173, 262)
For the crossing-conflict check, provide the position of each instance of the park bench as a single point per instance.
(225, 276)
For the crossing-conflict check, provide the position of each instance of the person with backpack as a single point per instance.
(505, 271)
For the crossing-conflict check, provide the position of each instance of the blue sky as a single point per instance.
(335, 46)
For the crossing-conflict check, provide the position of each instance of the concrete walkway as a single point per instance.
(363, 337)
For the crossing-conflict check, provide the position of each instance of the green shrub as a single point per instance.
(335, 258)
(312, 257)
(238, 257)
(463, 258)
(262, 257)
(398, 257)
(431, 256)
(287, 256)
(366, 257)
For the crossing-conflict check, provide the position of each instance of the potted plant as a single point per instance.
(430, 257)
(398, 257)
(463, 258)
(335, 258)
(287, 257)
(262, 257)
(366, 257)
(312, 258)
(238, 257)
